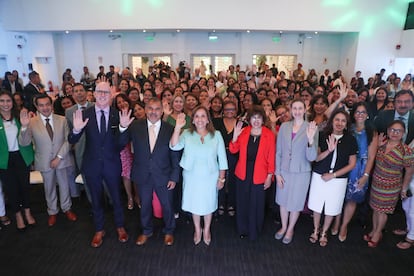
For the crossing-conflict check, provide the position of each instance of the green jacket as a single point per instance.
(26, 151)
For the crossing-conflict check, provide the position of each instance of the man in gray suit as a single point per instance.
(80, 96)
(49, 134)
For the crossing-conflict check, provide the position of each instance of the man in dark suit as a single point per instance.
(155, 168)
(106, 136)
(32, 89)
(403, 103)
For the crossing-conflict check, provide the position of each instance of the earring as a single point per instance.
(367, 117)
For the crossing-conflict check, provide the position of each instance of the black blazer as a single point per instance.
(162, 162)
(385, 117)
(6, 85)
(101, 154)
(29, 92)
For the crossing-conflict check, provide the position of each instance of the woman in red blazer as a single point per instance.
(254, 170)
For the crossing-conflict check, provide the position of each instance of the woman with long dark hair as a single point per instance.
(15, 161)
(367, 140)
(337, 150)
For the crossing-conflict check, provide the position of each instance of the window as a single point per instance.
(215, 63)
(144, 61)
(282, 62)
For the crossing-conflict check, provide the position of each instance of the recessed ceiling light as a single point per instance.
(66, 32)
(110, 31)
(316, 32)
(178, 30)
(144, 31)
(248, 31)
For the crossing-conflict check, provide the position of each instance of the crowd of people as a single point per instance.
(179, 141)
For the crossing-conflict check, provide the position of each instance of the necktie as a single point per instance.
(49, 129)
(152, 137)
(103, 124)
(401, 118)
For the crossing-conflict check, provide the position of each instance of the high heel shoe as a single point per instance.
(207, 238)
(21, 227)
(367, 237)
(373, 244)
(323, 240)
(342, 238)
(197, 238)
(29, 218)
(314, 236)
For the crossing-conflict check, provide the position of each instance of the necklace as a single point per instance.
(6, 120)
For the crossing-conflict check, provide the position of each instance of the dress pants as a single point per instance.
(74, 188)
(16, 181)
(408, 206)
(230, 185)
(2, 207)
(250, 207)
(166, 199)
(95, 182)
(49, 182)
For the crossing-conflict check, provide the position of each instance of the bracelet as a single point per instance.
(366, 174)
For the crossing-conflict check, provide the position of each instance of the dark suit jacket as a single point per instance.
(162, 162)
(101, 154)
(322, 81)
(6, 85)
(385, 117)
(29, 92)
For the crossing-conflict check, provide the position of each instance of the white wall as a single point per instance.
(361, 34)
(294, 15)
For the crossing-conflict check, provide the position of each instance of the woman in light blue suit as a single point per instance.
(297, 145)
(204, 164)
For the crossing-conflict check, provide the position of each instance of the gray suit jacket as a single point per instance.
(79, 147)
(294, 155)
(45, 149)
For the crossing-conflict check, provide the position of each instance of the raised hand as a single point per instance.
(125, 118)
(78, 122)
(382, 139)
(166, 108)
(24, 118)
(180, 121)
(311, 131)
(343, 90)
(101, 79)
(272, 117)
(237, 130)
(211, 92)
(332, 142)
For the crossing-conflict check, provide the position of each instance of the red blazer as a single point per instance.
(265, 159)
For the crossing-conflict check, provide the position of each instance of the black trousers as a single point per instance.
(16, 182)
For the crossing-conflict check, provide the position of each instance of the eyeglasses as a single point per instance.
(229, 109)
(360, 112)
(396, 130)
(102, 92)
(407, 102)
(281, 113)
